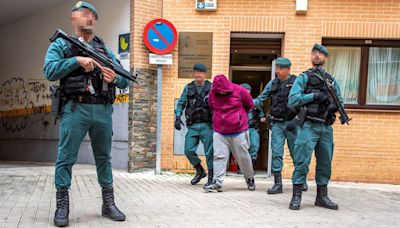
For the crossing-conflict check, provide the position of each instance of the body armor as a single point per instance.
(197, 109)
(279, 99)
(315, 85)
(253, 122)
(87, 87)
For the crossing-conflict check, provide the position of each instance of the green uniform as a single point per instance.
(254, 116)
(312, 136)
(278, 132)
(78, 119)
(196, 132)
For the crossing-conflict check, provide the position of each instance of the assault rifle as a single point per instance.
(344, 118)
(92, 53)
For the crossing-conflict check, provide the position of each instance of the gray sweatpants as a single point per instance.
(239, 145)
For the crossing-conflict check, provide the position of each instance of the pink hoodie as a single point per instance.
(230, 110)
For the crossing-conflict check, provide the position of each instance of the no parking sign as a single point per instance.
(160, 36)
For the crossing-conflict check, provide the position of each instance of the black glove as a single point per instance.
(320, 97)
(330, 119)
(291, 126)
(178, 123)
(331, 109)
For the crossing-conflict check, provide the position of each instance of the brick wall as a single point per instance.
(142, 102)
(367, 150)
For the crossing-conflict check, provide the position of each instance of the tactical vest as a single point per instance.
(197, 109)
(279, 99)
(314, 85)
(79, 83)
(253, 122)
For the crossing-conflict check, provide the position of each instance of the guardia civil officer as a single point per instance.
(309, 91)
(255, 116)
(88, 91)
(194, 101)
(280, 115)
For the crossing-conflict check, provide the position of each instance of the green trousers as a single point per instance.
(318, 137)
(76, 120)
(199, 132)
(279, 135)
(254, 143)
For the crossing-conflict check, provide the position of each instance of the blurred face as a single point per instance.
(249, 91)
(84, 21)
(199, 77)
(282, 73)
(318, 58)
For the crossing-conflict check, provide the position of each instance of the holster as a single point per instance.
(56, 100)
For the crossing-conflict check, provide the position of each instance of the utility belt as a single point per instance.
(272, 119)
(315, 119)
(197, 121)
(89, 99)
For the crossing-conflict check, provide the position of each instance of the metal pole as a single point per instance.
(269, 169)
(159, 107)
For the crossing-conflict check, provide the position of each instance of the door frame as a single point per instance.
(248, 68)
(269, 162)
(267, 69)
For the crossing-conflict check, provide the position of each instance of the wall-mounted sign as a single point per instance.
(160, 36)
(123, 43)
(194, 47)
(206, 5)
(160, 59)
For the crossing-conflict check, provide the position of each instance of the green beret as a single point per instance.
(85, 5)
(283, 62)
(199, 67)
(246, 86)
(320, 48)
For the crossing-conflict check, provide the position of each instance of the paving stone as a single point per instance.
(27, 199)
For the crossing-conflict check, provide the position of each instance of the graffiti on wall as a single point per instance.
(24, 102)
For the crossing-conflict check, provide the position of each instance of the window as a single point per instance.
(368, 72)
(344, 64)
(384, 76)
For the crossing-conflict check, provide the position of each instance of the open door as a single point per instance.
(251, 61)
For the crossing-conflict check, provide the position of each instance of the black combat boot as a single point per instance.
(62, 211)
(210, 177)
(305, 187)
(296, 198)
(200, 174)
(323, 200)
(109, 209)
(250, 184)
(277, 188)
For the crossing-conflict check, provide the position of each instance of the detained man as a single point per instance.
(230, 104)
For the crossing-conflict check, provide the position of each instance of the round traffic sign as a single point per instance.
(160, 36)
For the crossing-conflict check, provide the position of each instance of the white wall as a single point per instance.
(23, 45)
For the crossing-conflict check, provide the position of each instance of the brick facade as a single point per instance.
(368, 149)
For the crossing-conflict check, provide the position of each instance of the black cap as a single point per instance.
(199, 67)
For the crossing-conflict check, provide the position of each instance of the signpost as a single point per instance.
(160, 37)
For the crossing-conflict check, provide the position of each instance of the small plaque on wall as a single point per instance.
(194, 47)
(206, 5)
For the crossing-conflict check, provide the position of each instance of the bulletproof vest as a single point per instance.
(316, 84)
(253, 122)
(197, 109)
(81, 83)
(279, 99)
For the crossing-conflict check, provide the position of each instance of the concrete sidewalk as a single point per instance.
(27, 199)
